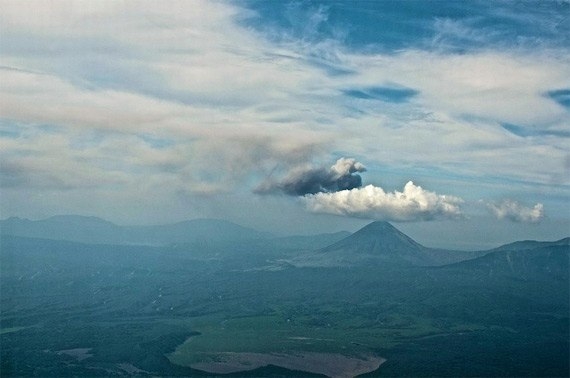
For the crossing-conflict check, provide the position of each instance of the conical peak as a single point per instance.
(378, 227)
(381, 236)
(380, 231)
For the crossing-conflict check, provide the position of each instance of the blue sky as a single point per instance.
(155, 112)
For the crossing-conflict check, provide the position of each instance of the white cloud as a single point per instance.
(239, 106)
(190, 70)
(507, 86)
(412, 204)
(516, 212)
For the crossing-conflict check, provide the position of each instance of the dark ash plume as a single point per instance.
(308, 180)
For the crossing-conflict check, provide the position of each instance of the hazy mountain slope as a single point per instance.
(445, 257)
(65, 227)
(531, 244)
(439, 257)
(548, 261)
(303, 242)
(192, 231)
(27, 257)
(98, 231)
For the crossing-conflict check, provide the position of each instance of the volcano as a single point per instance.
(381, 244)
(378, 243)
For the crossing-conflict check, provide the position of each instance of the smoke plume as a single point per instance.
(343, 175)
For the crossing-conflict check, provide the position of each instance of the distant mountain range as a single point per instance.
(377, 244)
(98, 231)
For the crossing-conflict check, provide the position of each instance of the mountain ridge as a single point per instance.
(377, 243)
(531, 244)
(546, 262)
(94, 230)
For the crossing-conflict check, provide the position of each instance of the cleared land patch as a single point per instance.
(330, 364)
(78, 353)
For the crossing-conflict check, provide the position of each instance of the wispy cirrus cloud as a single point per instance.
(386, 93)
(561, 96)
(210, 97)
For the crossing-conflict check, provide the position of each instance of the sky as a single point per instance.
(450, 119)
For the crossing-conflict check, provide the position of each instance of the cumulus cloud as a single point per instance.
(412, 204)
(516, 212)
(309, 180)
